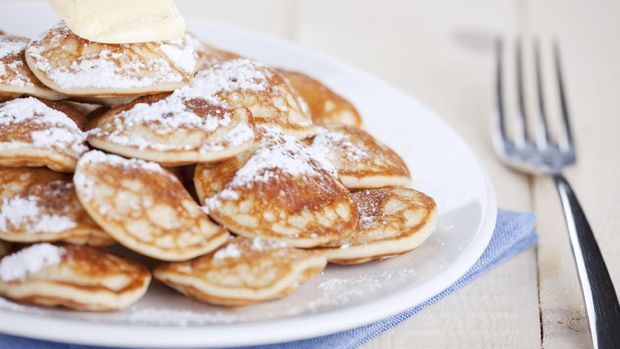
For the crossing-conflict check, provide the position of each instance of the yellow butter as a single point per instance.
(122, 21)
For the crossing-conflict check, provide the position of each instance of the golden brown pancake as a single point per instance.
(33, 134)
(244, 271)
(361, 160)
(38, 205)
(145, 207)
(242, 82)
(323, 104)
(16, 80)
(281, 192)
(78, 67)
(76, 277)
(392, 221)
(176, 129)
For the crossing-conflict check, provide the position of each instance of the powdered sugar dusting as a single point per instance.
(29, 261)
(11, 47)
(59, 130)
(325, 141)
(280, 155)
(175, 111)
(230, 251)
(26, 214)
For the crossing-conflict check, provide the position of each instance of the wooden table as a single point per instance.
(440, 51)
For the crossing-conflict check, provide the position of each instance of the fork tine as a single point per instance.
(566, 142)
(542, 130)
(500, 118)
(521, 136)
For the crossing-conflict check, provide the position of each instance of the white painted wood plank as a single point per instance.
(587, 32)
(439, 52)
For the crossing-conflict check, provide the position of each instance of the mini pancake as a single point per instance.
(282, 192)
(75, 277)
(392, 221)
(177, 129)
(145, 208)
(16, 80)
(244, 271)
(323, 104)
(77, 67)
(34, 134)
(38, 205)
(242, 82)
(361, 160)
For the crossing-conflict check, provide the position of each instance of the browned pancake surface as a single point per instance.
(145, 207)
(361, 160)
(323, 104)
(393, 221)
(281, 192)
(77, 277)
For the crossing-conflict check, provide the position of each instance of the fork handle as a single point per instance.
(598, 290)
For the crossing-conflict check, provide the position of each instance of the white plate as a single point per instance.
(342, 297)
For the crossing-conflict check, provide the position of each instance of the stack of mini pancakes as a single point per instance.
(239, 180)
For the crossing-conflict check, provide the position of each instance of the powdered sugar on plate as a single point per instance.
(56, 129)
(29, 260)
(103, 66)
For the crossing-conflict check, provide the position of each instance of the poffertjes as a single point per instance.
(39, 205)
(16, 80)
(145, 208)
(77, 67)
(392, 221)
(282, 192)
(324, 105)
(33, 134)
(76, 277)
(361, 161)
(244, 271)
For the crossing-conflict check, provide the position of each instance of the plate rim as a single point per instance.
(296, 327)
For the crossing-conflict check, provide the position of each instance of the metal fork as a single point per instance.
(543, 156)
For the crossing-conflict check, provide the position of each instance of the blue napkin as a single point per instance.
(514, 233)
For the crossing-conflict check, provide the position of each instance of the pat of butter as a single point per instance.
(122, 21)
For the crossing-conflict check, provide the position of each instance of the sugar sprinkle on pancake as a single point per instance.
(392, 221)
(145, 208)
(78, 67)
(282, 192)
(188, 126)
(323, 104)
(242, 82)
(38, 205)
(244, 271)
(16, 80)
(33, 134)
(361, 160)
(76, 277)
